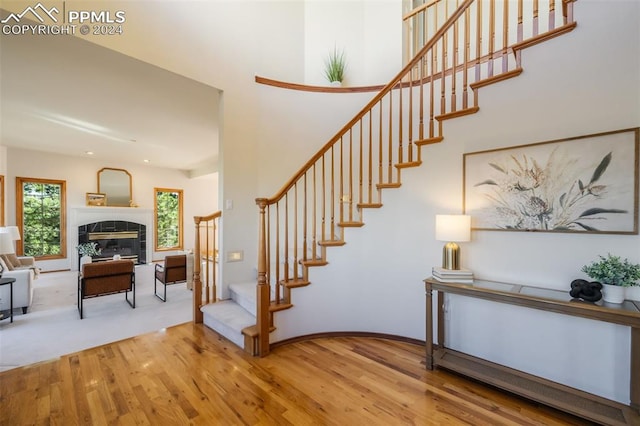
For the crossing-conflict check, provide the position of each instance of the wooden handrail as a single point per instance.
(419, 9)
(205, 252)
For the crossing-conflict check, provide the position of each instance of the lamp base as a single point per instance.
(451, 256)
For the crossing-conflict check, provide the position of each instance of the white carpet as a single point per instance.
(52, 327)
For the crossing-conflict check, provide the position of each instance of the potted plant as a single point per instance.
(614, 274)
(87, 251)
(334, 66)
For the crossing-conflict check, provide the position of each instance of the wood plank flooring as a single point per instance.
(188, 374)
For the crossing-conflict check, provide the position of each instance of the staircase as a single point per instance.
(462, 46)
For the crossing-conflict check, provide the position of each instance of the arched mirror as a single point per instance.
(116, 185)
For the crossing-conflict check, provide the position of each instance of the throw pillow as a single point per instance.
(5, 265)
(13, 259)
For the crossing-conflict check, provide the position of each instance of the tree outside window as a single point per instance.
(168, 213)
(40, 213)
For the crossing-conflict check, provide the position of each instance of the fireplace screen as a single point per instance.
(116, 238)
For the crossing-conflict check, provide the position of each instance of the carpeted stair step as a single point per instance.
(228, 318)
(244, 294)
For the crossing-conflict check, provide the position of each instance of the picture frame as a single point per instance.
(96, 199)
(582, 184)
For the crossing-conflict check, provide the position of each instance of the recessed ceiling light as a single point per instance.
(146, 161)
(89, 152)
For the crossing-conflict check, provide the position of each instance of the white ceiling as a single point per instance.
(65, 95)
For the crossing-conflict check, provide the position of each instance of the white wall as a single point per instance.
(80, 174)
(3, 172)
(582, 83)
(368, 32)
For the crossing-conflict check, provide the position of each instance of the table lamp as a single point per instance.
(6, 247)
(452, 228)
(13, 231)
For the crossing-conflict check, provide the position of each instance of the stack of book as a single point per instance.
(452, 275)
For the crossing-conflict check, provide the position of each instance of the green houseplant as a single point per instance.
(615, 274)
(334, 66)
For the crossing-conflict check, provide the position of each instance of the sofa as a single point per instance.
(25, 274)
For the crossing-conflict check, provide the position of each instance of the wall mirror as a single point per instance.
(116, 185)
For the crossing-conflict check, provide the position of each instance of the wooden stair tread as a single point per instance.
(253, 332)
(545, 36)
(408, 164)
(276, 307)
(331, 243)
(312, 262)
(351, 224)
(496, 78)
(429, 141)
(295, 283)
(388, 185)
(459, 113)
(369, 205)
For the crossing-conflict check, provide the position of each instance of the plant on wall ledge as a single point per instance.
(335, 64)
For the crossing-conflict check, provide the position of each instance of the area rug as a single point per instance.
(52, 327)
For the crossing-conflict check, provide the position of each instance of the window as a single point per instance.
(40, 213)
(168, 213)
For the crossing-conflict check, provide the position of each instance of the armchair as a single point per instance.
(103, 278)
(174, 271)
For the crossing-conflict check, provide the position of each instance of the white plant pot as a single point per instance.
(335, 84)
(632, 293)
(83, 260)
(613, 293)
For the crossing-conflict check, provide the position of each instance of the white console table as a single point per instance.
(562, 397)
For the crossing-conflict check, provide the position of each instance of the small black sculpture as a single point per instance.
(585, 290)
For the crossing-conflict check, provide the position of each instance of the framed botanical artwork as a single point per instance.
(583, 184)
(96, 199)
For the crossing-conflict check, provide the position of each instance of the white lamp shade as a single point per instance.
(453, 227)
(14, 232)
(6, 243)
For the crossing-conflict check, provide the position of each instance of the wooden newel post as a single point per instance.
(262, 289)
(197, 283)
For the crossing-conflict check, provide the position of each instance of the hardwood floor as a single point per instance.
(188, 374)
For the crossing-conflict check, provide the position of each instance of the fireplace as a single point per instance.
(116, 237)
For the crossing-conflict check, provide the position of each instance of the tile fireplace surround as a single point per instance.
(85, 215)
